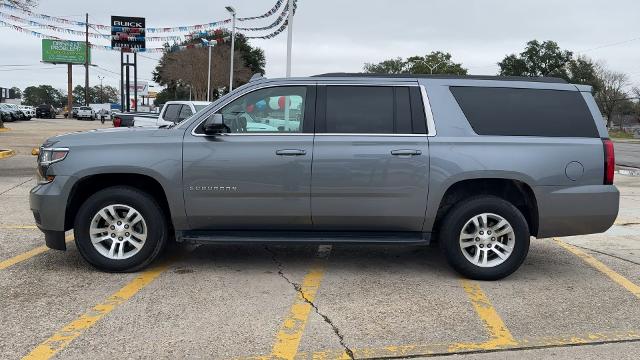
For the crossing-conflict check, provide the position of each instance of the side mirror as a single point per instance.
(214, 125)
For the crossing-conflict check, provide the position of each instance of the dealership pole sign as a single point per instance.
(128, 33)
(64, 51)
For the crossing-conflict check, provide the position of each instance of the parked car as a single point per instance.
(5, 115)
(74, 112)
(45, 111)
(479, 164)
(16, 114)
(29, 111)
(171, 113)
(85, 112)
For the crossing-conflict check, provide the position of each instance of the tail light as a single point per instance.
(117, 122)
(609, 161)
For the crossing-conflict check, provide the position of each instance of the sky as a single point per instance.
(342, 35)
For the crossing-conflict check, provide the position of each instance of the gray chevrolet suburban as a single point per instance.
(479, 164)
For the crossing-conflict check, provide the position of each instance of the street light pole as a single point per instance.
(209, 74)
(289, 36)
(233, 41)
(101, 92)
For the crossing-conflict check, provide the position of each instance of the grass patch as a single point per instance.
(619, 134)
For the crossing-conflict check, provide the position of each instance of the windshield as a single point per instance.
(200, 107)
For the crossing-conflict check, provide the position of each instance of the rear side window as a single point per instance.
(360, 109)
(373, 110)
(525, 112)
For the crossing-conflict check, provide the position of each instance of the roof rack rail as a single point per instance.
(544, 79)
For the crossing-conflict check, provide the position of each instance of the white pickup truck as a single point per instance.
(172, 112)
(85, 112)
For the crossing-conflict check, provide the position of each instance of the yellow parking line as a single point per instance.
(617, 278)
(74, 329)
(6, 153)
(292, 329)
(28, 255)
(499, 334)
(427, 350)
(11, 227)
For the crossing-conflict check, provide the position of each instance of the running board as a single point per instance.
(302, 237)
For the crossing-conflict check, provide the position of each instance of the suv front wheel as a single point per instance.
(485, 238)
(120, 229)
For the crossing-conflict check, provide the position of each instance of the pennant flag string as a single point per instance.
(277, 22)
(27, 31)
(78, 32)
(184, 28)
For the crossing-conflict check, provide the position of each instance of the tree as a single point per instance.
(437, 62)
(15, 92)
(538, 59)
(390, 66)
(611, 93)
(179, 68)
(548, 59)
(43, 94)
(97, 95)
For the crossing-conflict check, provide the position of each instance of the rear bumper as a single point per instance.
(578, 210)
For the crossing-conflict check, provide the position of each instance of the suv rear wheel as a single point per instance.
(485, 238)
(120, 229)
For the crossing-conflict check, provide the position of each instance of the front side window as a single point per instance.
(268, 110)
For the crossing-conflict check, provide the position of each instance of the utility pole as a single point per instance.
(289, 36)
(86, 61)
(127, 86)
(69, 89)
(121, 80)
(135, 81)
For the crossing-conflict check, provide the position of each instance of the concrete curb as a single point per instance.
(6, 153)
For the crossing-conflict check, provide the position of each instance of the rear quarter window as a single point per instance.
(525, 112)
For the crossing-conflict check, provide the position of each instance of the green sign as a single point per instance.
(64, 51)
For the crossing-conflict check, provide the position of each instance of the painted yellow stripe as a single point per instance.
(74, 329)
(28, 255)
(6, 153)
(617, 278)
(424, 350)
(499, 334)
(292, 329)
(20, 227)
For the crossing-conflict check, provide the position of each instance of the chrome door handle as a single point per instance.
(291, 152)
(406, 152)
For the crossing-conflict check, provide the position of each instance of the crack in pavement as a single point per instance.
(607, 254)
(298, 288)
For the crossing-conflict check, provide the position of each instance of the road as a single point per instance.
(628, 153)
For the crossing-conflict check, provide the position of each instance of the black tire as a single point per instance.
(145, 204)
(462, 212)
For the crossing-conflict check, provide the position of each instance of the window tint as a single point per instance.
(171, 112)
(403, 111)
(269, 110)
(185, 112)
(525, 112)
(359, 109)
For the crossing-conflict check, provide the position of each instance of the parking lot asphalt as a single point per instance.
(574, 297)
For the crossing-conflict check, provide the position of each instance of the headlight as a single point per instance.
(47, 157)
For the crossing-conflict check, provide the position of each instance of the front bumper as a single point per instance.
(48, 203)
(578, 210)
